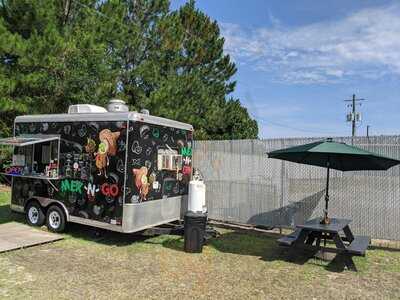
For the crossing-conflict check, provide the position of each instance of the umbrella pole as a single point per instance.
(326, 219)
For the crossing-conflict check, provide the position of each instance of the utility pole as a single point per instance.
(368, 131)
(353, 116)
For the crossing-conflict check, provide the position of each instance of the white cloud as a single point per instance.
(365, 44)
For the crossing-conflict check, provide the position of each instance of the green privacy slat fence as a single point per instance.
(244, 186)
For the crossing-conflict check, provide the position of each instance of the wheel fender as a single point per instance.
(45, 202)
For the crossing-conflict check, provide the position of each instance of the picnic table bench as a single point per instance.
(309, 236)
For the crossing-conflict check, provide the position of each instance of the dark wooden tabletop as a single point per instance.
(335, 225)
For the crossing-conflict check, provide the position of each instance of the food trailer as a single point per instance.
(108, 168)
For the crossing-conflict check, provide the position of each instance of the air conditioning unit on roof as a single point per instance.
(85, 109)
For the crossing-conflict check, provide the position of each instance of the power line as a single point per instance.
(267, 122)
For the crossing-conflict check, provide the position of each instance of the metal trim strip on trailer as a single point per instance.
(112, 227)
(121, 116)
(150, 225)
(94, 223)
(138, 216)
(58, 159)
(126, 163)
(33, 154)
(159, 121)
(84, 117)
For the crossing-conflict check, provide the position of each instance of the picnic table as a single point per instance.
(309, 235)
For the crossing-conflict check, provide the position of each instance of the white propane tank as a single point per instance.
(197, 195)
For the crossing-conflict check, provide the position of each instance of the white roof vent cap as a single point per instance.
(144, 111)
(85, 109)
(117, 105)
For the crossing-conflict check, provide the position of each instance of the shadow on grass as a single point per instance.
(241, 242)
(78, 231)
(113, 238)
(103, 236)
(176, 244)
(6, 215)
(294, 213)
(83, 232)
(262, 245)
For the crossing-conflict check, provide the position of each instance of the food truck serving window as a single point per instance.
(169, 159)
(33, 156)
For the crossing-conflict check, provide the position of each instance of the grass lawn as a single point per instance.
(236, 265)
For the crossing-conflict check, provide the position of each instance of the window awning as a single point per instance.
(26, 140)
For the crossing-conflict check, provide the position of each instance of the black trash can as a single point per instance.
(195, 227)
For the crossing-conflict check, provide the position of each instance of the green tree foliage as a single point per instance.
(55, 53)
(51, 57)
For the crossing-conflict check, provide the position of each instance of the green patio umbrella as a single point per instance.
(333, 155)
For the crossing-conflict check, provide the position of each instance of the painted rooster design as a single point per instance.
(142, 182)
(108, 147)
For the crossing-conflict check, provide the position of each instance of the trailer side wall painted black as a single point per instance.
(120, 171)
(87, 174)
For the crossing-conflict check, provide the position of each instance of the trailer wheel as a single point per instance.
(34, 214)
(55, 219)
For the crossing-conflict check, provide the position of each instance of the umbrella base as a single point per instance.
(325, 220)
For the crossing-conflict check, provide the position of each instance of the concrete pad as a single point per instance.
(15, 235)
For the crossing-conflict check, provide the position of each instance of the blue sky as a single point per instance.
(298, 60)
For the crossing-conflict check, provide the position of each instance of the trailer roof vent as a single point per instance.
(144, 111)
(117, 105)
(85, 109)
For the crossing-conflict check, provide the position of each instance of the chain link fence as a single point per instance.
(244, 186)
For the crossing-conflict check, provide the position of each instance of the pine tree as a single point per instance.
(55, 53)
(50, 57)
(186, 76)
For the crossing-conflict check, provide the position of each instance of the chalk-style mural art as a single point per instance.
(91, 155)
(104, 164)
(150, 182)
(136, 148)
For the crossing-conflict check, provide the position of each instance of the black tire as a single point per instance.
(34, 214)
(55, 219)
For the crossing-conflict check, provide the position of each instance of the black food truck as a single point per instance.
(108, 168)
